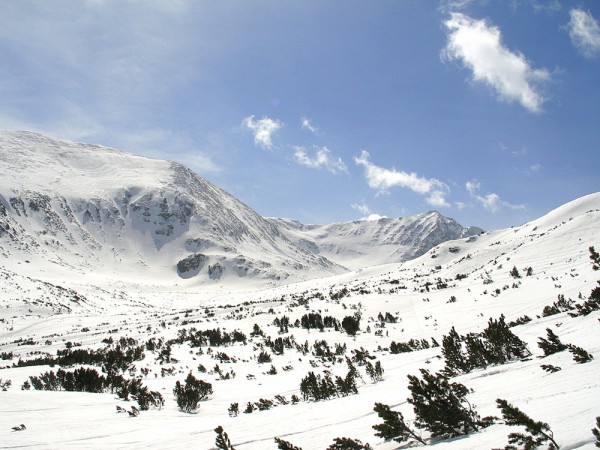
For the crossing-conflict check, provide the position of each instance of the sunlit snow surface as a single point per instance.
(86, 307)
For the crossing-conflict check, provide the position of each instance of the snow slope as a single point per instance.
(461, 283)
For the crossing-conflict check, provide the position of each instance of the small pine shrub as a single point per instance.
(394, 427)
(234, 409)
(441, 406)
(596, 432)
(351, 325)
(537, 433)
(222, 441)
(580, 356)
(263, 357)
(559, 306)
(550, 368)
(515, 272)
(285, 445)
(496, 344)
(190, 395)
(552, 344)
(348, 444)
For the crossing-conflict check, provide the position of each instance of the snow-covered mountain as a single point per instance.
(370, 242)
(93, 209)
(81, 208)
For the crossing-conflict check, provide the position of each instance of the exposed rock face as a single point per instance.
(191, 265)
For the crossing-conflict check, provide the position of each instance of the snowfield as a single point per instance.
(45, 308)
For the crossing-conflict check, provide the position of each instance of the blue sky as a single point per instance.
(325, 111)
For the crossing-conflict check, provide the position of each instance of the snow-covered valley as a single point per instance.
(77, 285)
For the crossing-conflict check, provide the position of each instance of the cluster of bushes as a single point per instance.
(89, 380)
(412, 345)
(579, 309)
(559, 306)
(496, 344)
(279, 345)
(263, 404)
(322, 350)
(283, 324)
(552, 344)
(125, 352)
(316, 321)
(316, 387)
(339, 294)
(388, 318)
(81, 380)
(211, 338)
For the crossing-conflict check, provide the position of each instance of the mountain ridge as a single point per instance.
(92, 207)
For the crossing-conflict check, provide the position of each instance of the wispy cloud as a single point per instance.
(263, 130)
(308, 125)
(585, 33)
(479, 47)
(492, 202)
(322, 159)
(546, 5)
(381, 179)
(535, 167)
(453, 5)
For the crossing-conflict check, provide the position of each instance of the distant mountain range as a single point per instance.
(84, 209)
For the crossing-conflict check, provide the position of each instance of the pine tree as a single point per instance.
(375, 372)
(537, 432)
(351, 325)
(190, 395)
(393, 427)
(440, 406)
(596, 432)
(348, 444)
(502, 344)
(593, 302)
(285, 445)
(552, 344)
(580, 356)
(222, 442)
(452, 349)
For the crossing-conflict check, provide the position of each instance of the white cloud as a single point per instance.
(382, 179)
(479, 47)
(585, 33)
(307, 125)
(263, 130)
(492, 202)
(366, 212)
(322, 159)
